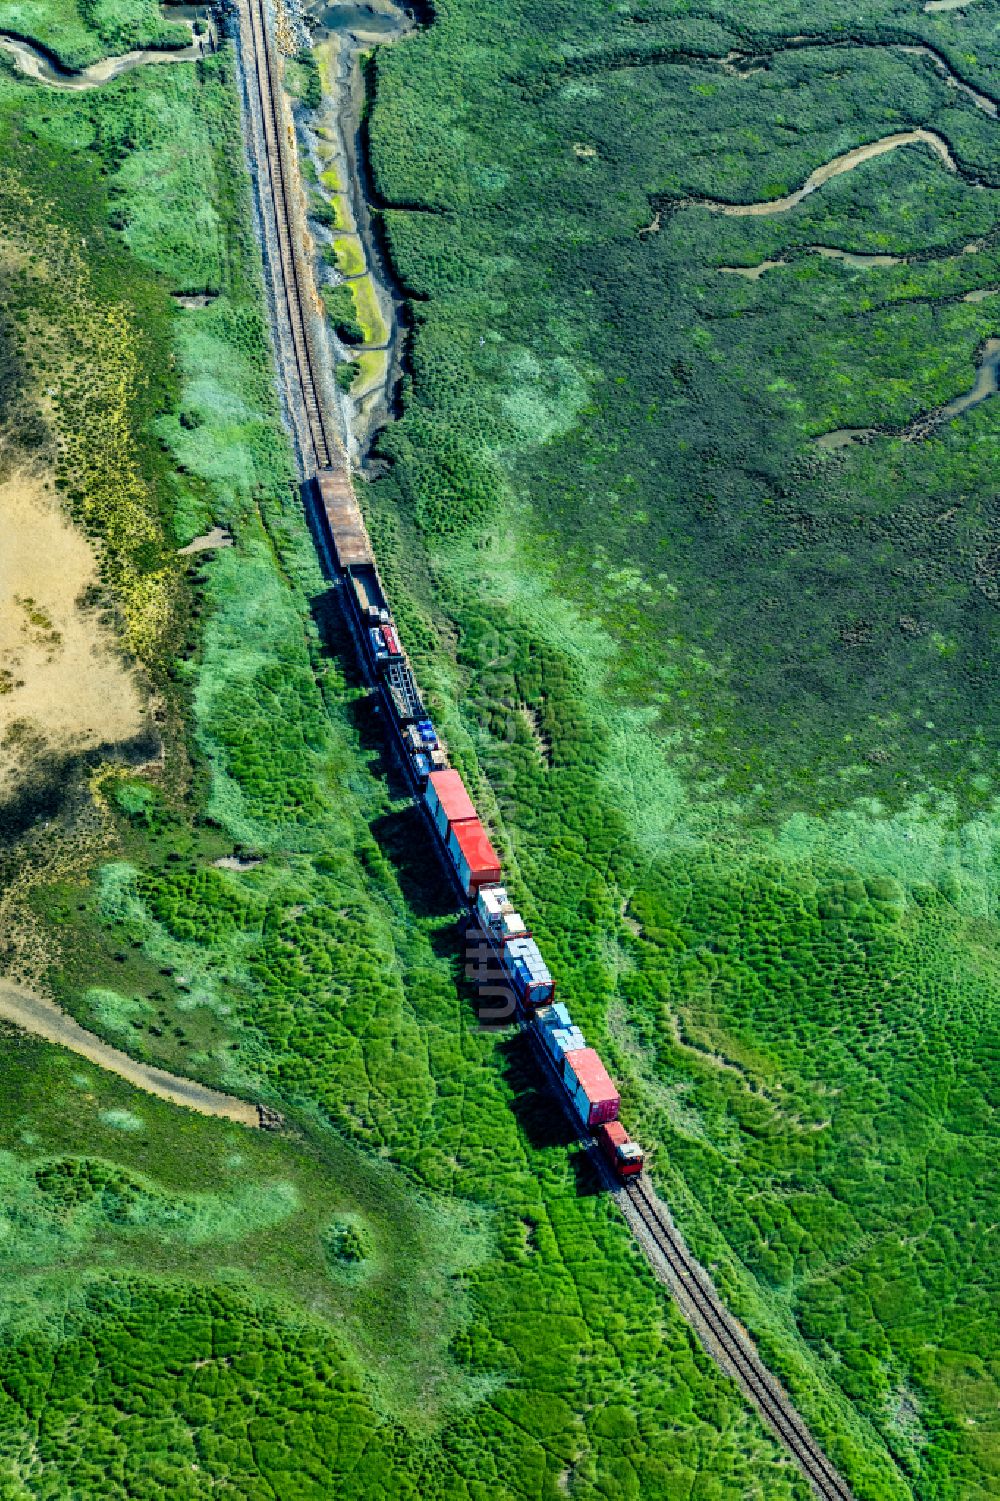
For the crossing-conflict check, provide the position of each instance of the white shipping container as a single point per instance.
(491, 902)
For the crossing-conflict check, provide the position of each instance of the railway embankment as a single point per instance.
(298, 323)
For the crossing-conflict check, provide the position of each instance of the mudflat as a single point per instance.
(62, 683)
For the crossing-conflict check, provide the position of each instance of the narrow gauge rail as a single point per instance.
(740, 1356)
(290, 294)
(326, 467)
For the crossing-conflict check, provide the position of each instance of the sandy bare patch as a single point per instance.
(62, 686)
(219, 536)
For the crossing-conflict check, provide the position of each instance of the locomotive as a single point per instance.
(465, 844)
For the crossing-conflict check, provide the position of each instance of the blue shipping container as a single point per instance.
(548, 1036)
(566, 1040)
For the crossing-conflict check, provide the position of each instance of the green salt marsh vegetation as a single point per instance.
(80, 32)
(248, 900)
(729, 695)
(724, 696)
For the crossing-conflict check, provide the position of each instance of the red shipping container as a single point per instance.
(474, 857)
(595, 1097)
(448, 800)
(391, 640)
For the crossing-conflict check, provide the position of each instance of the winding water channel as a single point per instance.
(332, 137)
(349, 29)
(836, 168)
(985, 385)
(44, 67)
(746, 64)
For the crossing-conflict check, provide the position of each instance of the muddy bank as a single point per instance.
(211, 541)
(864, 260)
(43, 1018)
(986, 384)
(827, 252)
(349, 242)
(44, 67)
(836, 168)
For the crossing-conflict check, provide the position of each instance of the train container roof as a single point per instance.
(524, 954)
(450, 791)
(493, 900)
(572, 1035)
(592, 1076)
(343, 517)
(615, 1132)
(474, 844)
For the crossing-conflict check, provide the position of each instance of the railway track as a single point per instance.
(696, 1297)
(290, 286)
(320, 449)
(737, 1353)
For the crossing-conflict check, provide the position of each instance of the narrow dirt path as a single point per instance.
(43, 1018)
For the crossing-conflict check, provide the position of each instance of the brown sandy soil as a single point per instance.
(62, 686)
(43, 1018)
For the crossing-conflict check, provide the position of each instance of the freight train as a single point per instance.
(468, 853)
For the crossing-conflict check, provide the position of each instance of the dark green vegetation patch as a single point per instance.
(731, 688)
(235, 1314)
(673, 643)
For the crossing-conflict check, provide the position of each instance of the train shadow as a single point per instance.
(538, 1111)
(317, 528)
(540, 1114)
(406, 842)
(589, 1182)
(362, 706)
(403, 838)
